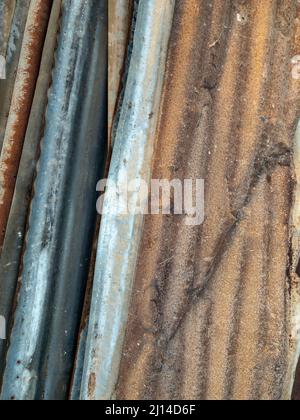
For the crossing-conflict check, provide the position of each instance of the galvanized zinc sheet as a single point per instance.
(120, 235)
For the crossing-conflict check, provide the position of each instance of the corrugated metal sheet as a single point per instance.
(211, 311)
(122, 307)
(120, 236)
(23, 92)
(10, 258)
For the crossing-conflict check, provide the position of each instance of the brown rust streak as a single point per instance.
(27, 74)
(209, 317)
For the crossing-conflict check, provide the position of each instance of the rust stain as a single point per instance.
(27, 74)
(210, 314)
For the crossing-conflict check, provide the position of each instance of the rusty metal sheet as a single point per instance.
(28, 68)
(120, 12)
(10, 259)
(211, 311)
(12, 55)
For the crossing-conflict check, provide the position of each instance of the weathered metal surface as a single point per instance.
(120, 236)
(58, 243)
(10, 259)
(210, 316)
(28, 68)
(119, 24)
(12, 56)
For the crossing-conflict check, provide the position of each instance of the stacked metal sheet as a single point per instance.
(128, 306)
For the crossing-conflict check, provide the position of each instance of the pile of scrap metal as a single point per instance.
(133, 306)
